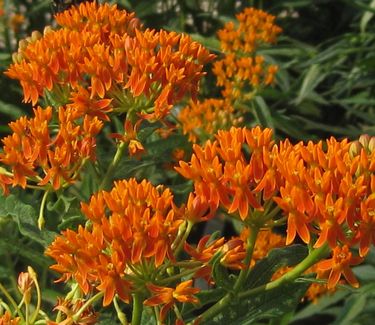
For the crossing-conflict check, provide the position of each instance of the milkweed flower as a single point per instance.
(7, 319)
(222, 173)
(38, 152)
(103, 52)
(133, 224)
(339, 264)
(255, 27)
(184, 292)
(323, 191)
(200, 120)
(70, 308)
(242, 71)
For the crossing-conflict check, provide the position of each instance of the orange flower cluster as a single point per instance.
(241, 72)
(44, 151)
(132, 233)
(7, 319)
(241, 67)
(255, 28)
(202, 119)
(223, 175)
(325, 190)
(237, 74)
(232, 253)
(101, 49)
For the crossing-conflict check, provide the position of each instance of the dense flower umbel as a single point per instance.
(325, 190)
(240, 75)
(133, 225)
(101, 49)
(200, 120)
(223, 175)
(242, 70)
(255, 28)
(39, 152)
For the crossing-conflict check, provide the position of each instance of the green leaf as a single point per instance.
(26, 218)
(354, 305)
(211, 43)
(322, 304)
(262, 271)
(312, 78)
(221, 276)
(12, 111)
(265, 305)
(148, 317)
(262, 113)
(205, 297)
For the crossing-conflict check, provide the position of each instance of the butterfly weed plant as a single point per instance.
(120, 162)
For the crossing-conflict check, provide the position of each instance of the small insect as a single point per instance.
(61, 5)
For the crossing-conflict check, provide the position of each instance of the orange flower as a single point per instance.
(83, 104)
(223, 175)
(201, 120)
(100, 52)
(7, 319)
(197, 209)
(242, 71)
(70, 309)
(266, 240)
(366, 231)
(339, 264)
(34, 155)
(133, 224)
(130, 137)
(183, 292)
(255, 27)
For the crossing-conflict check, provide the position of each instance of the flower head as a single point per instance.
(184, 292)
(133, 224)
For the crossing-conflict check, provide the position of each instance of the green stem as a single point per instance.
(184, 237)
(38, 294)
(120, 315)
(137, 309)
(292, 275)
(249, 254)
(41, 220)
(112, 167)
(12, 302)
(179, 275)
(27, 314)
(88, 303)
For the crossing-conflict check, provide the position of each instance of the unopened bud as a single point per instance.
(364, 140)
(22, 44)
(47, 29)
(36, 35)
(25, 284)
(355, 149)
(15, 57)
(371, 144)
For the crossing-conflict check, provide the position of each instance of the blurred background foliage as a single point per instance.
(325, 86)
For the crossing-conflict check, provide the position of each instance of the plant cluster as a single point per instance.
(110, 94)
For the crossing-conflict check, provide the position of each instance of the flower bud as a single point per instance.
(355, 149)
(364, 140)
(25, 284)
(36, 35)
